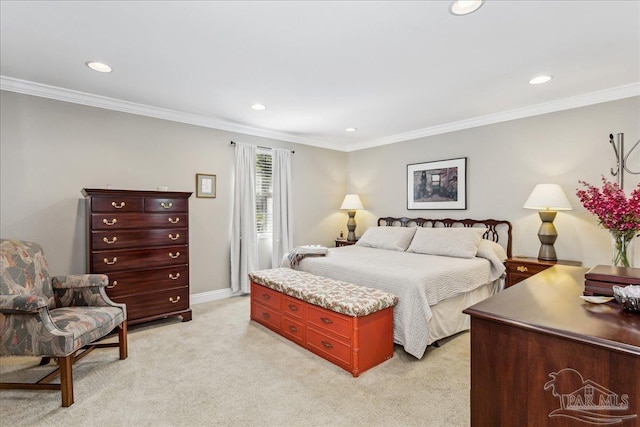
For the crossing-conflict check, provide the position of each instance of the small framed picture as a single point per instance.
(205, 185)
(437, 185)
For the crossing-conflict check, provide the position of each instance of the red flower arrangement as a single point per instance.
(617, 213)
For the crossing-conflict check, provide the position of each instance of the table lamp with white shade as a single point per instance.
(548, 199)
(351, 203)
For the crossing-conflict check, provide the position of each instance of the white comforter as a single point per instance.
(418, 280)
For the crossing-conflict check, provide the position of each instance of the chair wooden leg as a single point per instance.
(65, 369)
(66, 379)
(122, 339)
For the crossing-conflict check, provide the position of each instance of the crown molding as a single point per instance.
(73, 96)
(68, 95)
(606, 95)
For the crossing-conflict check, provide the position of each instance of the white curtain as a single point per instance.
(282, 205)
(244, 247)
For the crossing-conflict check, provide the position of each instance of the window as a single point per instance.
(264, 193)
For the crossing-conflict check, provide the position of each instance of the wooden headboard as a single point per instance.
(495, 228)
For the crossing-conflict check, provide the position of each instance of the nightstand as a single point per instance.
(520, 268)
(343, 243)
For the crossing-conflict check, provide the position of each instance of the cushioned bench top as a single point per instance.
(341, 297)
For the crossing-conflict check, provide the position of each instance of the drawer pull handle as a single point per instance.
(522, 268)
(176, 237)
(166, 205)
(293, 328)
(113, 285)
(326, 344)
(326, 321)
(293, 307)
(120, 206)
(172, 277)
(174, 221)
(265, 315)
(106, 261)
(109, 242)
(173, 301)
(109, 223)
(171, 255)
(266, 296)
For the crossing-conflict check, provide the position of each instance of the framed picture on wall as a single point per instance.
(205, 185)
(437, 185)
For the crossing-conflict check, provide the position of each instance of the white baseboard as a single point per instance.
(210, 296)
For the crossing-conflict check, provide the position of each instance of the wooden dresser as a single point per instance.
(540, 355)
(140, 239)
(343, 242)
(520, 268)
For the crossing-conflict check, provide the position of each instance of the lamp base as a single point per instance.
(351, 226)
(547, 235)
(547, 253)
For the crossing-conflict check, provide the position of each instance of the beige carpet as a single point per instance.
(223, 370)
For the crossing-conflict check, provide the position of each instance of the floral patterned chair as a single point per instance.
(58, 317)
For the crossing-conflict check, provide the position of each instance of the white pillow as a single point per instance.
(392, 238)
(459, 242)
(491, 250)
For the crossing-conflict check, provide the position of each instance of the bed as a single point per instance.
(437, 268)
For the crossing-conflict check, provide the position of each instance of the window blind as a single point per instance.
(264, 193)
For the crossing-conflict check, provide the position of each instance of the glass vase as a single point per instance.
(621, 247)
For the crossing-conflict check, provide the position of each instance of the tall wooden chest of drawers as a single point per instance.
(140, 239)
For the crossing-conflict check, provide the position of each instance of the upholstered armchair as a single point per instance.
(54, 317)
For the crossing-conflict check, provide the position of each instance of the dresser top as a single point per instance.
(91, 192)
(550, 303)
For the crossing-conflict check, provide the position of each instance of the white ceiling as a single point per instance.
(394, 70)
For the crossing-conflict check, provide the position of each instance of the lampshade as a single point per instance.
(351, 202)
(548, 197)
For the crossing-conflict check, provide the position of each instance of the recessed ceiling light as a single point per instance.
(350, 129)
(98, 66)
(465, 7)
(540, 79)
(258, 107)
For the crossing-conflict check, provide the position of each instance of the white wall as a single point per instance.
(50, 150)
(504, 162)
